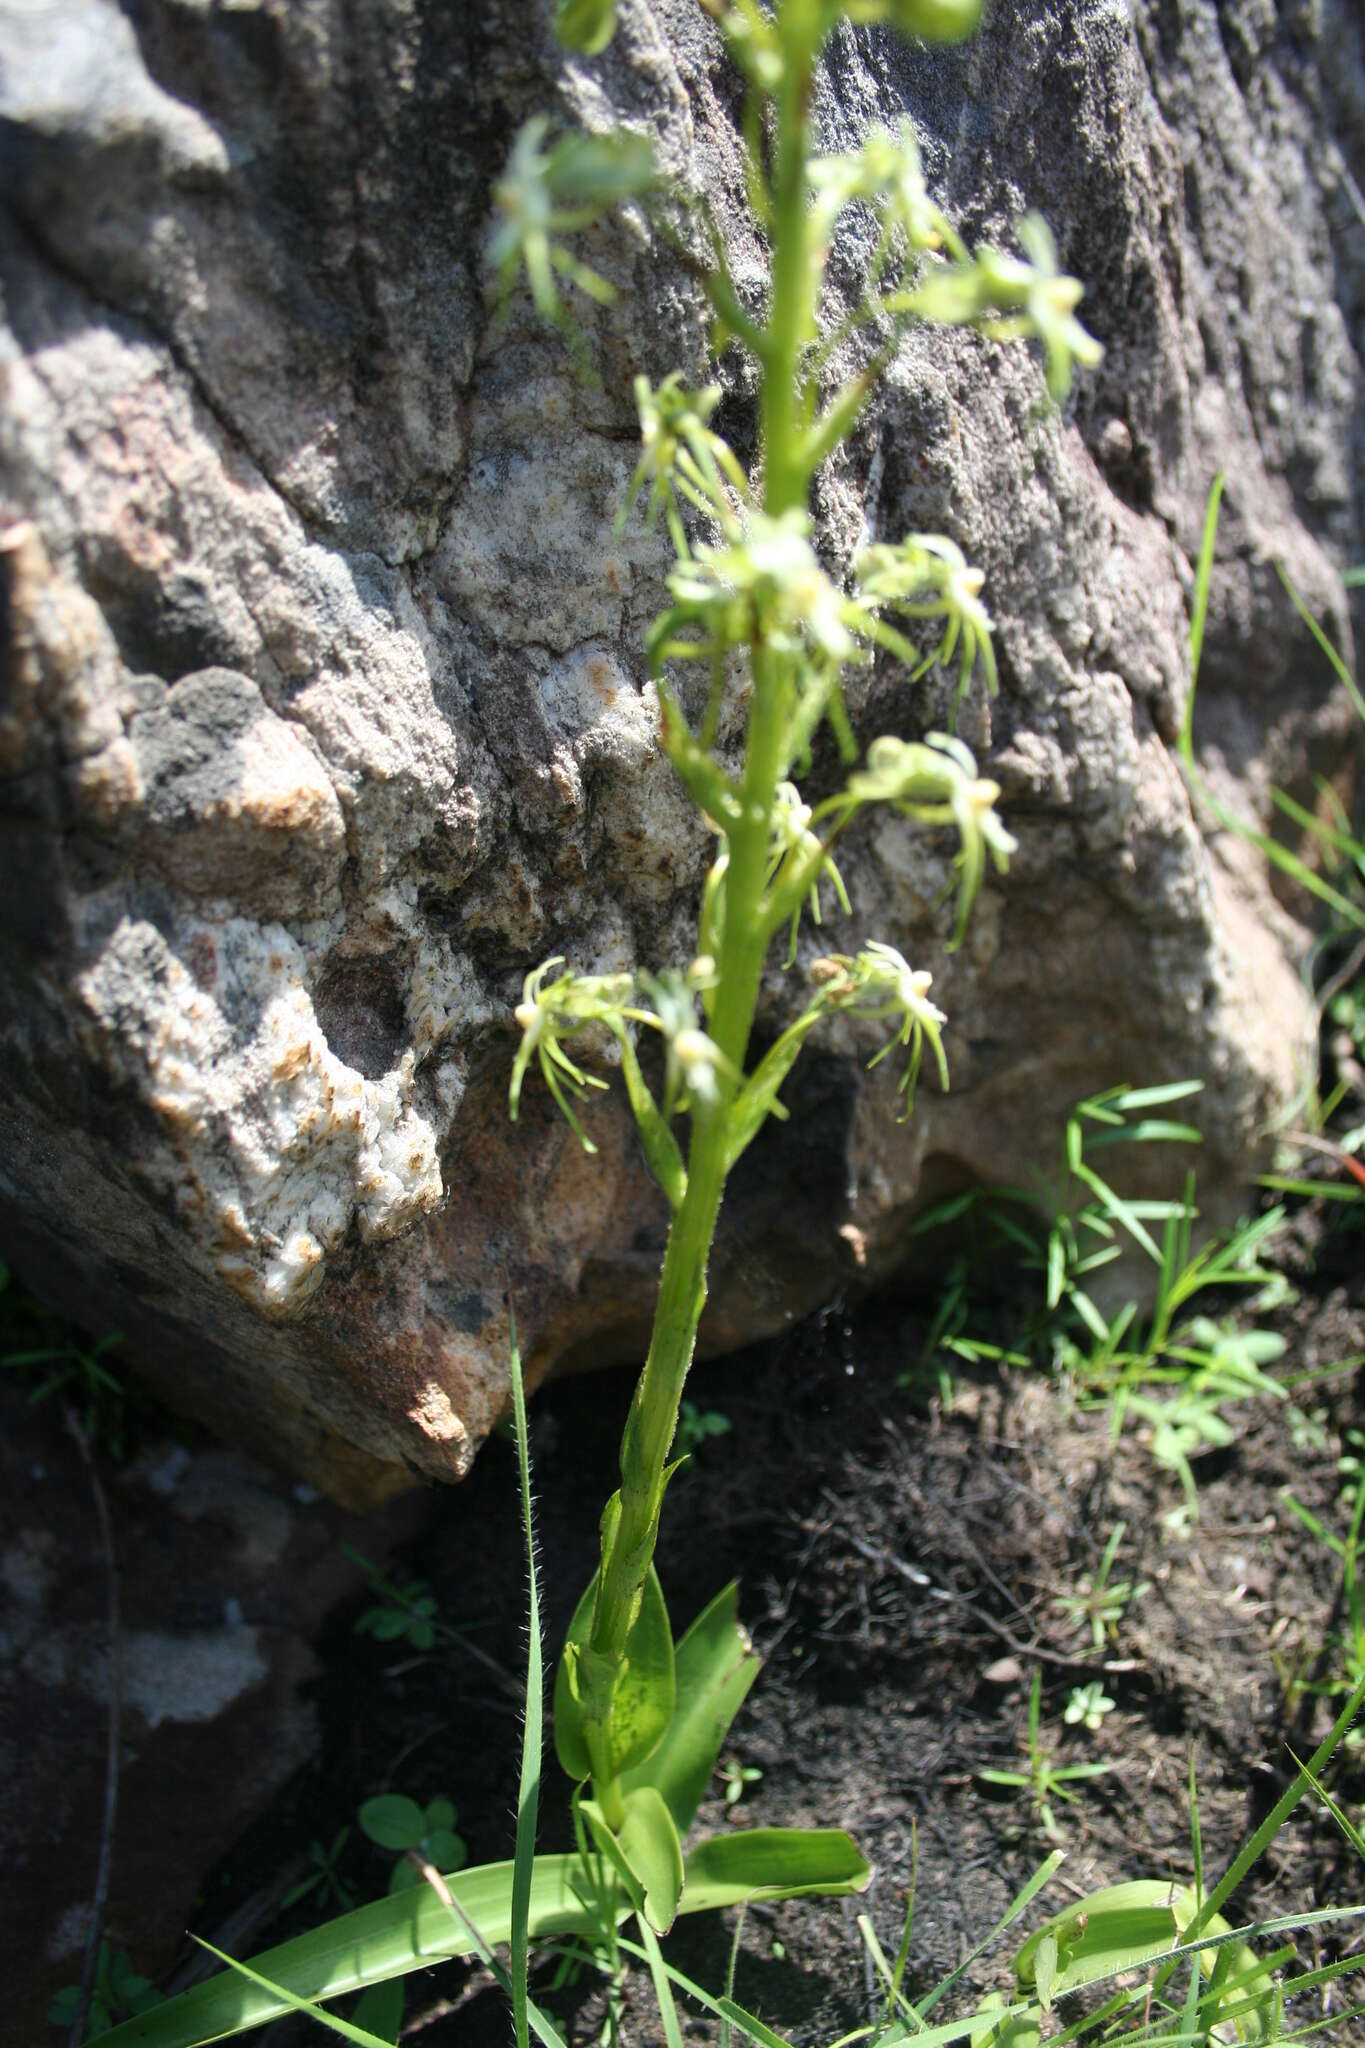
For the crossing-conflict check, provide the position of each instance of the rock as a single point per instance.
(324, 716)
(222, 1570)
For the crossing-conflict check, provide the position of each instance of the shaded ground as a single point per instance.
(900, 1559)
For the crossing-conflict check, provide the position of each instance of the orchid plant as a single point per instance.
(639, 1722)
(752, 604)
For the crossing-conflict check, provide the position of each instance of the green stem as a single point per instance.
(629, 1537)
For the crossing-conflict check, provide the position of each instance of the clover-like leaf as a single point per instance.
(392, 1821)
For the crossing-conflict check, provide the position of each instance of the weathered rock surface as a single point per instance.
(324, 716)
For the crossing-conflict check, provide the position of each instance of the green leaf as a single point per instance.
(440, 1813)
(1153, 1098)
(714, 1667)
(772, 1863)
(645, 1693)
(1124, 1927)
(392, 1821)
(757, 1099)
(649, 1842)
(447, 1850)
(415, 1930)
(380, 2010)
(663, 1990)
(377, 1942)
(586, 26)
(347, 2029)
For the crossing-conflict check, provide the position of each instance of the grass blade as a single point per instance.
(1342, 673)
(1199, 615)
(1021, 1900)
(663, 1990)
(1255, 1847)
(533, 1727)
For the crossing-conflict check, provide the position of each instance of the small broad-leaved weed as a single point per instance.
(119, 1993)
(1088, 1706)
(1100, 1603)
(734, 1776)
(696, 1424)
(421, 1837)
(405, 1611)
(1042, 1779)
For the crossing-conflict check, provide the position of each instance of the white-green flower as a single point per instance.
(1011, 298)
(764, 585)
(879, 983)
(549, 1013)
(695, 1066)
(886, 172)
(680, 454)
(554, 189)
(935, 782)
(928, 577)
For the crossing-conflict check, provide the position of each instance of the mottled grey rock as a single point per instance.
(325, 717)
